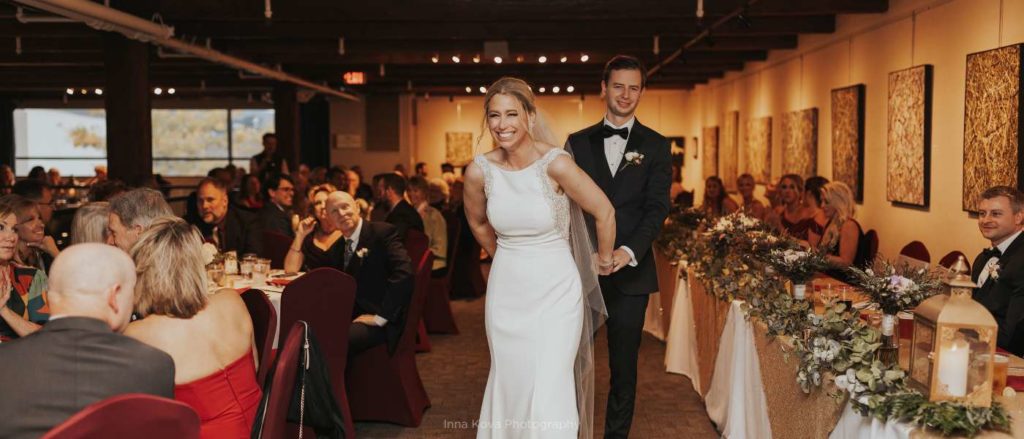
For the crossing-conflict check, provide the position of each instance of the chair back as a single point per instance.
(416, 304)
(264, 325)
(274, 423)
(951, 258)
(324, 298)
(416, 244)
(870, 243)
(916, 250)
(131, 415)
(454, 240)
(275, 247)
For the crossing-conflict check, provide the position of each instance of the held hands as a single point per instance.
(47, 245)
(608, 265)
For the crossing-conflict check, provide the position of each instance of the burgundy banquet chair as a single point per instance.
(437, 312)
(131, 415)
(386, 387)
(468, 279)
(871, 243)
(275, 247)
(951, 258)
(916, 250)
(275, 417)
(264, 324)
(324, 298)
(416, 245)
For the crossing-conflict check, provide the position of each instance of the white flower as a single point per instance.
(209, 252)
(993, 269)
(362, 252)
(842, 382)
(634, 158)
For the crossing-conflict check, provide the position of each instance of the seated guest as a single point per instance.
(80, 357)
(374, 255)
(812, 201)
(999, 270)
(437, 193)
(23, 301)
(131, 213)
(90, 223)
(106, 190)
(840, 238)
(356, 187)
(276, 214)
(35, 249)
(400, 213)
(39, 192)
(751, 206)
(433, 223)
(250, 196)
(716, 202)
(337, 177)
(224, 226)
(792, 216)
(209, 337)
(7, 179)
(37, 173)
(420, 170)
(317, 240)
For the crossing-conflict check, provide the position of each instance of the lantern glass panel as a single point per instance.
(920, 355)
(963, 369)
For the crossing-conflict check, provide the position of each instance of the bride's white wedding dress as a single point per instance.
(534, 306)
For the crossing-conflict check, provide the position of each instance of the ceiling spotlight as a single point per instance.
(497, 60)
(570, 89)
(483, 89)
(170, 91)
(476, 59)
(435, 59)
(456, 59)
(519, 58)
(70, 91)
(158, 91)
(543, 59)
(98, 91)
(469, 89)
(542, 89)
(555, 89)
(584, 58)
(84, 91)
(564, 58)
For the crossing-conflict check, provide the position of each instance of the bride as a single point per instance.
(524, 202)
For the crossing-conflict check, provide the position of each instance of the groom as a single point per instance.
(632, 164)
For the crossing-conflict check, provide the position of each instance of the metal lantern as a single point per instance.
(954, 343)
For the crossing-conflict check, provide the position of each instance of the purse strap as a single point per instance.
(305, 367)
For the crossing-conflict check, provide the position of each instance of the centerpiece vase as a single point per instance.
(889, 351)
(799, 291)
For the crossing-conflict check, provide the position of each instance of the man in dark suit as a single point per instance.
(999, 270)
(79, 357)
(400, 213)
(374, 254)
(632, 164)
(276, 215)
(226, 226)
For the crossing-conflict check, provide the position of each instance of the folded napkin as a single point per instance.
(279, 282)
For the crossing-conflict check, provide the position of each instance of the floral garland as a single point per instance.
(896, 287)
(733, 256)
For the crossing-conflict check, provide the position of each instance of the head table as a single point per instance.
(748, 383)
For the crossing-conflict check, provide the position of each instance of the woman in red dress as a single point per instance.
(208, 336)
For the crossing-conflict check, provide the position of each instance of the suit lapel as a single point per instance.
(356, 262)
(636, 140)
(602, 174)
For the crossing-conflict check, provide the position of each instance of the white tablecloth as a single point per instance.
(681, 342)
(736, 401)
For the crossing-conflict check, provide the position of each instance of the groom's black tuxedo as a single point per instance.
(640, 195)
(1003, 295)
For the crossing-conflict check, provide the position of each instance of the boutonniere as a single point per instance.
(993, 270)
(362, 252)
(634, 158)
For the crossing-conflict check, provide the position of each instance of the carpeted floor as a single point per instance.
(455, 374)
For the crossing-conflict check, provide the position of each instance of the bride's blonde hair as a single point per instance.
(522, 93)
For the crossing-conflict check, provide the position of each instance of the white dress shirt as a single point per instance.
(614, 150)
(993, 261)
(353, 245)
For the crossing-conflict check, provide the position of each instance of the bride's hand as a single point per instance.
(605, 266)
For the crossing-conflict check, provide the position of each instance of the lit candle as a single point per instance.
(953, 368)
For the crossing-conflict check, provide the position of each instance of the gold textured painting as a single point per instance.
(800, 142)
(709, 161)
(757, 148)
(458, 148)
(728, 152)
(908, 148)
(848, 138)
(992, 122)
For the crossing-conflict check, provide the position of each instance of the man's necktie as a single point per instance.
(348, 251)
(216, 237)
(621, 132)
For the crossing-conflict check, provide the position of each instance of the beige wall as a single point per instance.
(864, 49)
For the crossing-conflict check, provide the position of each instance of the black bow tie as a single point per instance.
(621, 132)
(989, 253)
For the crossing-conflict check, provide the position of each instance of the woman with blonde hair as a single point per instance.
(90, 223)
(23, 301)
(751, 206)
(840, 238)
(317, 240)
(35, 249)
(209, 337)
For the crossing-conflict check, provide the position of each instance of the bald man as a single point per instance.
(79, 357)
(374, 255)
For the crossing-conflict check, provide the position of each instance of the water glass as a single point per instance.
(231, 262)
(245, 267)
(260, 270)
(215, 273)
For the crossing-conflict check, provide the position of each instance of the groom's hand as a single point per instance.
(620, 259)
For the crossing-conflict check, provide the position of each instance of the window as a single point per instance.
(186, 142)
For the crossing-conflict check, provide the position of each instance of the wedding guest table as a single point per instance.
(273, 289)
